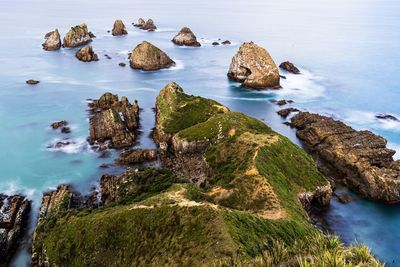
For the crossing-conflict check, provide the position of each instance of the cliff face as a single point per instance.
(361, 158)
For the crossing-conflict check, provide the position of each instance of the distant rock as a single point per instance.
(86, 54)
(286, 112)
(186, 38)
(289, 67)
(281, 102)
(59, 124)
(32, 82)
(119, 28)
(53, 41)
(122, 64)
(65, 130)
(254, 68)
(149, 26)
(77, 36)
(136, 156)
(139, 23)
(215, 43)
(226, 42)
(386, 117)
(359, 157)
(147, 57)
(14, 215)
(344, 198)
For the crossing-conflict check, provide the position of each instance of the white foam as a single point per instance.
(178, 66)
(75, 146)
(15, 186)
(166, 30)
(395, 147)
(367, 119)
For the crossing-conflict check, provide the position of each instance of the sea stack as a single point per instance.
(148, 57)
(186, 38)
(86, 54)
(146, 25)
(119, 28)
(77, 36)
(289, 67)
(254, 68)
(53, 41)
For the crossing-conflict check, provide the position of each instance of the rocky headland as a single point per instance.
(148, 57)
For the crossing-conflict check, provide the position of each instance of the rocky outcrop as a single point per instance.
(146, 25)
(14, 214)
(86, 54)
(226, 42)
(254, 68)
(113, 122)
(136, 156)
(77, 36)
(360, 158)
(321, 197)
(139, 23)
(286, 112)
(186, 38)
(53, 41)
(289, 67)
(59, 124)
(147, 57)
(32, 82)
(119, 28)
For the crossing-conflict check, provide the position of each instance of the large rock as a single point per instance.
(86, 54)
(148, 57)
(361, 158)
(119, 28)
(53, 41)
(77, 36)
(254, 68)
(186, 38)
(113, 121)
(14, 213)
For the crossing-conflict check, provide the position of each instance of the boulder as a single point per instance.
(254, 68)
(361, 158)
(53, 41)
(186, 38)
(344, 198)
(32, 82)
(113, 122)
(59, 124)
(147, 57)
(289, 67)
(65, 130)
(119, 28)
(136, 156)
(86, 54)
(14, 215)
(77, 36)
(140, 23)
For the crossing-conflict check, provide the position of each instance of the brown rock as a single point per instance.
(289, 67)
(321, 197)
(53, 41)
(285, 112)
(119, 28)
(186, 38)
(77, 36)
(254, 68)
(32, 82)
(147, 57)
(140, 23)
(136, 156)
(149, 26)
(226, 42)
(86, 54)
(58, 124)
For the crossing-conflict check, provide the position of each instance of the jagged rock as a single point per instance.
(91, 34)
(226, 42)
(147, 57)
(119, 28)
(320, 197)
(32, 82)
(386, 117)
(14, 211)
(86, 54)
(137, 156)
(289, 67)
(59, 124)
(254, 68)
(53, 41)
(77, 36)
(286, 112)
(149, 26)
(359, 157)
(114, 121)
(140, 23)
(186, 38)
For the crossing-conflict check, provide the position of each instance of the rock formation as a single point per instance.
(119, 28)
(254, 68)
(136, 156)
(53, 41)
(320, 197)
(147, 57)
(86, 54)
(32, 82)
(289, 67)
(139, 23)
(14, 211)
(77, 36)
(146, 25)
(286, 112)
(361, 158)
(186, 38)
(113, 121)
(59, 124)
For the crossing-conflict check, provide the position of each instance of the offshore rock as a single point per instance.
(14, 211)
(140, 23)
(59, 124)
(149, 26)
(53, 41)
(77, 36)
(86, 54)
(119, 28)
(289, 67)
(186, 38)
(361, 158)
(148, 57)
(32, 82)
(286, 112)
(254, 68)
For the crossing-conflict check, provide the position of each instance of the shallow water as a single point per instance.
(348, 51)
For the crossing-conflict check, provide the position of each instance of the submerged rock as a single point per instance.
(254, 68)
(53, 41)
(186, 38)
(59, 124)
(119, 28)
(32, 82)
(289, 67)
(114, 121)
(136, 156)
(122, 64)
(65, 130)
(14, 215)
(359, 157)
(77, 36)
(148, 57)
(86, 54)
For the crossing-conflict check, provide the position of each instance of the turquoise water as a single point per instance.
(348, 51)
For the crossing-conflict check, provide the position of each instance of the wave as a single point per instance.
(15, 186)
(369, 119)
(68, 146)
(178, 65)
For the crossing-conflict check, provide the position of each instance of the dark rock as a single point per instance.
(107, 56)
(147, 57)
(105, 154)
(91, 34)
(289, 67)
(65, 130)
(186, 37)
(344, 199)
(59, 124)
(119, 28)
(386, 117)
(136, 156)
(122, 64)
(77, 36)
(215, 43)
(285, 112)
(281, 102)
(53, 41)
(320, 197)
(86, 54)
(32, 82)
(226, 42)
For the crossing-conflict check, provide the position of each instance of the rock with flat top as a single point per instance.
(148, 57)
